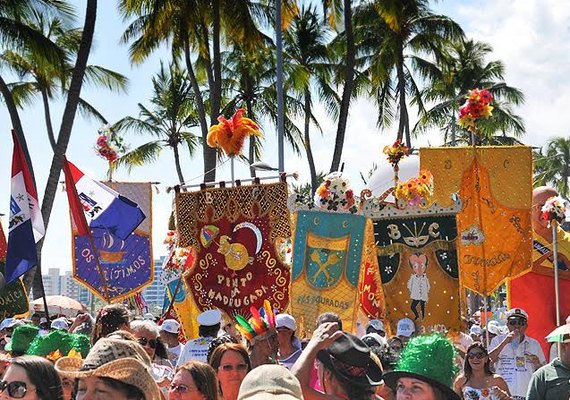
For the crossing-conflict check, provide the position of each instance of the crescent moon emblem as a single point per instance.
(316, 221)
(345, 224)
(255, 230)
(506, 164)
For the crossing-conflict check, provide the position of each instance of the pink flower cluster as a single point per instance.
(105, 149)
(476, 107)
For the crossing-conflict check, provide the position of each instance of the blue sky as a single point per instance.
(531, 37)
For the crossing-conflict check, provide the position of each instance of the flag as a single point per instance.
(26, 225)
(103, 208)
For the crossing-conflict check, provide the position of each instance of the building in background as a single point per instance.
(154, 293)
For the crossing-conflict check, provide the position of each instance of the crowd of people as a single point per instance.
(116, 356)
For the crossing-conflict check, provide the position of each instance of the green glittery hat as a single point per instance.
(61, 342)
(429, 358)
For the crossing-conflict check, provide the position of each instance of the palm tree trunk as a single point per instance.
(307, 137)
(209, 162)
(47, 115)
(16, 124)
(66, 127)
(216, 84)
(404, 125)
(177, 163)
(252, 138)
(348, 87)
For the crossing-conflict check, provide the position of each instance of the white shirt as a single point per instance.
(174, 353)
(513, 366)
(195, 350)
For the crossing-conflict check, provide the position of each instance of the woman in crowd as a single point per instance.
(148, 336)
(114, 369)
(346, 369)
(32, 378)
(289, 344)
(231, 363)
(478, 382)
(194, 380)
(109, 319)
(425, 371)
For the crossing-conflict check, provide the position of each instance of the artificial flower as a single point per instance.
(229, 135)
(396, 152)
(554, 209)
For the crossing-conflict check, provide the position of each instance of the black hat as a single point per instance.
(349, 359)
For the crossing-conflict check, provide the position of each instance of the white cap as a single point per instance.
(148, 316)
(10, 323)
(210, 317)
(285, 321)
(59, 323)
(475, 330)
(405, 328)
(376, 324)
(170, 326)
(517, 313)
(494, 327)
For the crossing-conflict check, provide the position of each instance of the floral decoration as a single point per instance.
(335, 194)
(554, 209)
(396, 152)
(229, 135)
(416, 191)
(109, 144)
(476, 107)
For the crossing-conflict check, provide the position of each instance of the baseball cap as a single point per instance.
(285, 321)
(10, 323)
(270, 382)
(210, 317)
(475, 330)
(405, 328)
(170, 326)
(517, 313)
(376, 324)
(494, 327)
(148, 316)
(59, 323)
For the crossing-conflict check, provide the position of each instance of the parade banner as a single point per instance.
(495, 186)
(13, 297)
(126, 265)
(329, 253)
(417, 257)
(238, 235)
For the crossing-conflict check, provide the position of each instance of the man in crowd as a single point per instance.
(516, 355)
(405, 329)
(169, 331)
(376, 326)
(551, 382)
(197, 349)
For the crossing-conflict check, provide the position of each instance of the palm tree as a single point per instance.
(194, 26)
(49, 80)
(410, 33)
(462, 68)
(553, 166)
(171, 115)
(308, 58)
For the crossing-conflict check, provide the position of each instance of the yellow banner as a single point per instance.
(495, 186)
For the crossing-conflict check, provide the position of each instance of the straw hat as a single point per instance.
(123, 360)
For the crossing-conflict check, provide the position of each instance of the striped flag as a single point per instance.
(103, 208)
(26, 226)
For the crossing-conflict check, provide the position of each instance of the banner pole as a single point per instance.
(555, 267)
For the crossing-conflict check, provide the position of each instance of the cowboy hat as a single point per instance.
(349, 359)
(122, 360)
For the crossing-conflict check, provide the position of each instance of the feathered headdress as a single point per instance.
(261, 321)
(230, 134)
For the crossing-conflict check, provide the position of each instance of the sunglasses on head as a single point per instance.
(16, 389)
(521, 322)
(478, 355)
(151, 343)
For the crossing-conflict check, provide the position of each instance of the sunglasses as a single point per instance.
(181, 389)
(152, 343)
(16, 389)
(229, 368)
(479, 355)
(520, 322)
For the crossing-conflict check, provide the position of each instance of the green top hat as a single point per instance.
(61, 340)
(429, 358)
(21, 338)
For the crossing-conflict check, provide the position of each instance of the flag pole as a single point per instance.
(554, 223)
